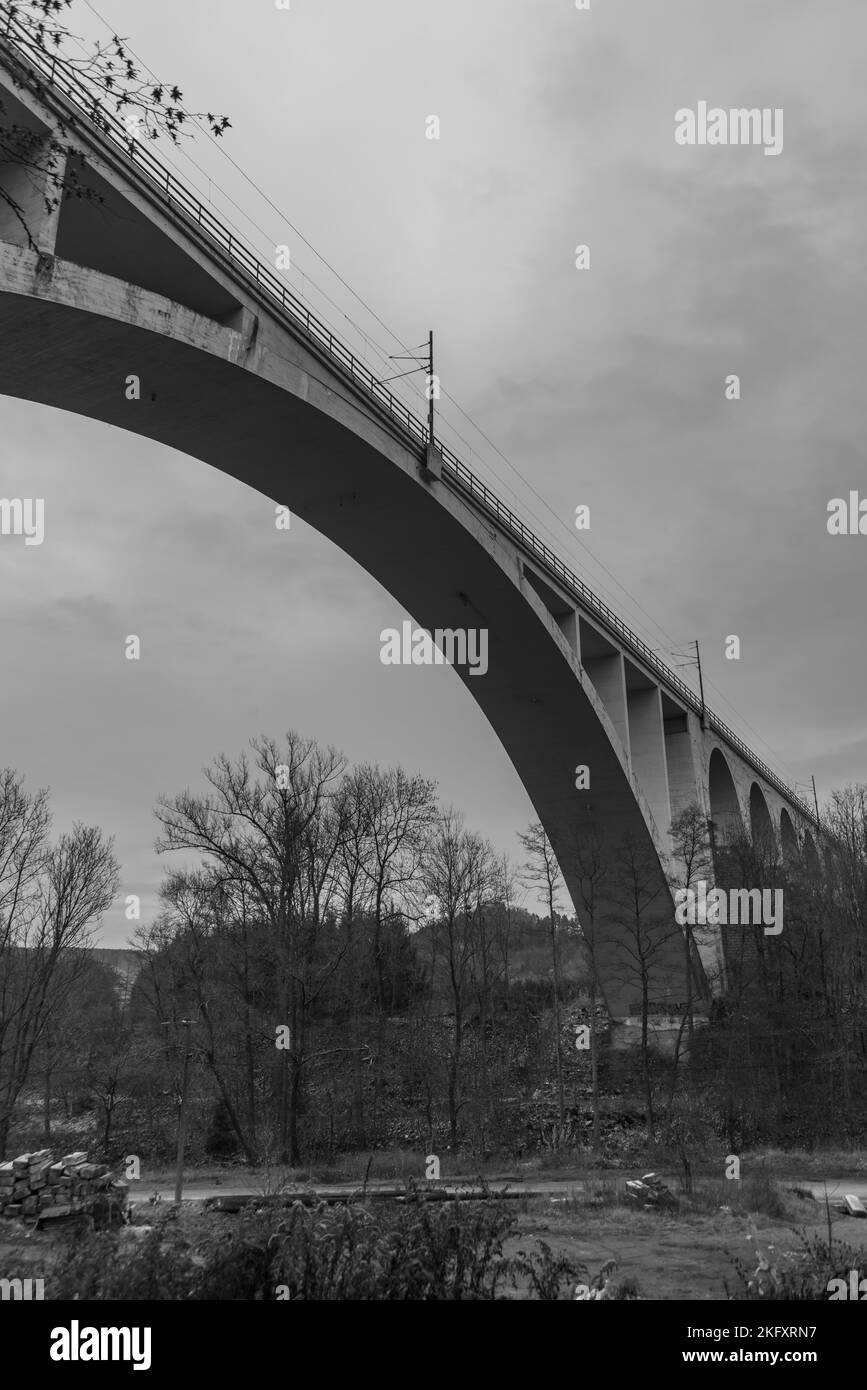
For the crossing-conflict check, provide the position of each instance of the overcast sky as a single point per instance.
(603, 387)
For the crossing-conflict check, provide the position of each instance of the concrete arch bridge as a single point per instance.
(235, 371)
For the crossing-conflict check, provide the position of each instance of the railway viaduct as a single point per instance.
(235, 371)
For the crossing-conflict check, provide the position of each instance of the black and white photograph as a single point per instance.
(433, 753)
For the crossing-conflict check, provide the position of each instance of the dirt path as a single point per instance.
(255, 1185)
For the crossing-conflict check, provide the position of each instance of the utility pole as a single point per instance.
(432, 456)
(430, 392)
(182, 1117)
(816, 804)
(700, 682)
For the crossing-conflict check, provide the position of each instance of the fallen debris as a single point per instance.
(651, 1191)
(311, 1196)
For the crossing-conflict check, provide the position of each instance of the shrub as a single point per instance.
(415, 1251)
(101, 1266)
(798, 1275)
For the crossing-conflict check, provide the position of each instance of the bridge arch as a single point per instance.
(788, 837)
(261, 405)
(811, 854)
(232, 374)
(761, 825)
(725, 810)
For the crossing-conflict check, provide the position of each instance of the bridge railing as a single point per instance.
(92, 107)
(65, 80)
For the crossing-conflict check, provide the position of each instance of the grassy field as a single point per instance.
(685, 1254)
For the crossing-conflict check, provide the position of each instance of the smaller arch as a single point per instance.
(761, 825)
(811, 854)
(725, 810)
(788, 838)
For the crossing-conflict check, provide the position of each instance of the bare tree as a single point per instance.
(399, 811)
(110, 82)
(505, 934)
(51, 898)
(692, 848)
(458, 875)
(268, 833)
(645, 912)
(541, 871)
(589, 864)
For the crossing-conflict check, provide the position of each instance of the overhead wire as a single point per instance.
(379, 348)
(380, 351)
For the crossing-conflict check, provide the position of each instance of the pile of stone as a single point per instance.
(35, 1186)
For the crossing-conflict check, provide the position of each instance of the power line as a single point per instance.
(381, 351)
(261, 192)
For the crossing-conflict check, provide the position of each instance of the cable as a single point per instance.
(558, 518)
(690, 662)
(380, 351)
(208, 135)
(296, 268)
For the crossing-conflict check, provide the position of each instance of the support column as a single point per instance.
(683, 787)
(570, 628)
(609, 678)
(647, 741)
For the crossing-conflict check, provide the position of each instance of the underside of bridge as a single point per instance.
(129, 286)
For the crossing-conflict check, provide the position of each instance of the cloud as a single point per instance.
(604, 387)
